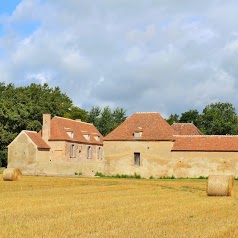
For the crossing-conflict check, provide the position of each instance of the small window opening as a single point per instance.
(87, 136)
(72, 150)
(137, 159)
(70, 134)
(99, 153)
(89, 153)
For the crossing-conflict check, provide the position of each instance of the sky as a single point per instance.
(167, 56)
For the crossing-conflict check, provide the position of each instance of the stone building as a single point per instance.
(64, 146)
(147, 145)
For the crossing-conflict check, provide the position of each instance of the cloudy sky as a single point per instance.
(143, 55)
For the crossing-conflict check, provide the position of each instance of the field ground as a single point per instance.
(102, 207)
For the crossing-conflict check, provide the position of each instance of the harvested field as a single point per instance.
(102, 207)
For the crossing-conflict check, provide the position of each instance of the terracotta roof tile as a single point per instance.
(37, 139)
(60, 126)
(186, 129)
(151, 126)
(205, 143)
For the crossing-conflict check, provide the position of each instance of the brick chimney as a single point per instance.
(46, 127)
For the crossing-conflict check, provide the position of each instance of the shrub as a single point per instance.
(99, 174)
(167, 177)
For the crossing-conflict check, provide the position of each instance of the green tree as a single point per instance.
(173, 118)
(94, 114)
(106, 119)
(191, 116)
(77, 113)
(219, 119)
(119, 116)
(21, 108)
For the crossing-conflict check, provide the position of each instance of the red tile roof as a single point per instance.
(60, 126)
(206, 143)
(151, 126)
(37, 139)
(186, 129)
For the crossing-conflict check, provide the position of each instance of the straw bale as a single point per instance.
(220, 185)
(11, 174)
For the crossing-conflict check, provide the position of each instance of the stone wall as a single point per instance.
(157, 160)
(23, 154)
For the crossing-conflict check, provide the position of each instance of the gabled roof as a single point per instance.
(62, 127)
(206, 143)
(37, 139)
(186, 129)
(150, 124)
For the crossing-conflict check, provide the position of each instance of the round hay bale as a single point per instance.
(11, 174)
(220, 185)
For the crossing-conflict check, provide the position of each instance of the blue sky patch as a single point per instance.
(7, 7)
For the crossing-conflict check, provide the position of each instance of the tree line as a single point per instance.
(215, 119)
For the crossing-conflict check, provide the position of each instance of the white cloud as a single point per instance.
(139, 36)
(134, 54)
(231, 47)
(43, 77)
(147, 55)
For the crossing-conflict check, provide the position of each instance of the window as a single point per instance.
(137, 134)
(99, 153)
(97, 138)
(137, 159)
(87, 136)
(72, 150)
(70, 134)
(89, 153)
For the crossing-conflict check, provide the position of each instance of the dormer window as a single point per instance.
(138, 133)
(97, 138)
(87, 136)
(70, 134)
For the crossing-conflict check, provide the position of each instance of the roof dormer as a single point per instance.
(86, 135)
(138, 133)
(70, 134)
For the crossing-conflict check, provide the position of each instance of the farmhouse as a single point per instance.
(144, 144)
(64, 146)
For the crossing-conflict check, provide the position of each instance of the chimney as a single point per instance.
(46, 127)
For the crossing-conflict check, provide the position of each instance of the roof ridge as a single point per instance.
(145, 112)
(183, 123)
(73, 120)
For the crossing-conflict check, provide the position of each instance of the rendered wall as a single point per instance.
(60, 162)
(22, 154)
(87, 168)
(157, 160)
(195, 164)
(155, 157)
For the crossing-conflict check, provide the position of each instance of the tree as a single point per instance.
(77, 113)
(219, 119)
(173, 118)
(21, 108)
(191, 116)
(94, 114)
(119, 116)
(106, 119)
